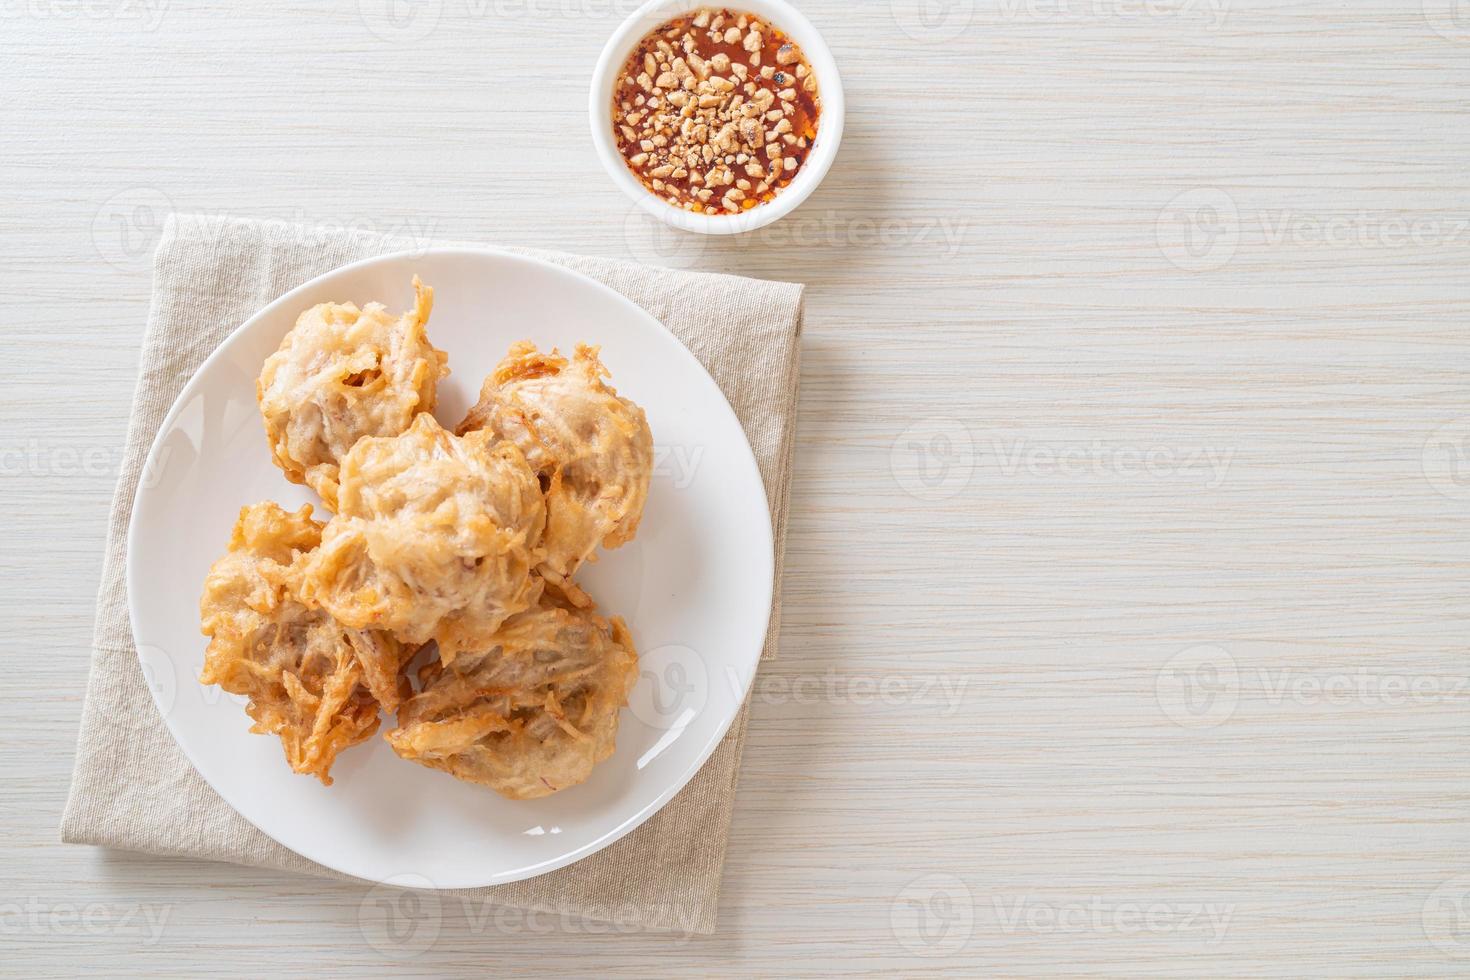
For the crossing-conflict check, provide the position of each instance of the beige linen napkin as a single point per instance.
(132, 787)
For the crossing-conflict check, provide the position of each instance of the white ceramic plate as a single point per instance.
(695, 587)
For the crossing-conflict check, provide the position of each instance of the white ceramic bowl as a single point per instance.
(780, 15)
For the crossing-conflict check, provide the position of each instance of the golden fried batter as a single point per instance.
(341, 374)
(531, 714)
(435, 537)
(310, 681)
(592, 449)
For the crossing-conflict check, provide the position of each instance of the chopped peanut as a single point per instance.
(716, 111)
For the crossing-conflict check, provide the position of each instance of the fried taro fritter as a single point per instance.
(344, 373)
(592, 449)
(435, 538)
(530, 714)
(308, 680)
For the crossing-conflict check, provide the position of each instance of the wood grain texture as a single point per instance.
(1126, 583)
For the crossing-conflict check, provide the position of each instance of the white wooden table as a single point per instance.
(1126, 601)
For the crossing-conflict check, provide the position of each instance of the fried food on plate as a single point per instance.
(435, 538)
(592, 449)
(308, 680)
(530, 713)
(344, 373)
